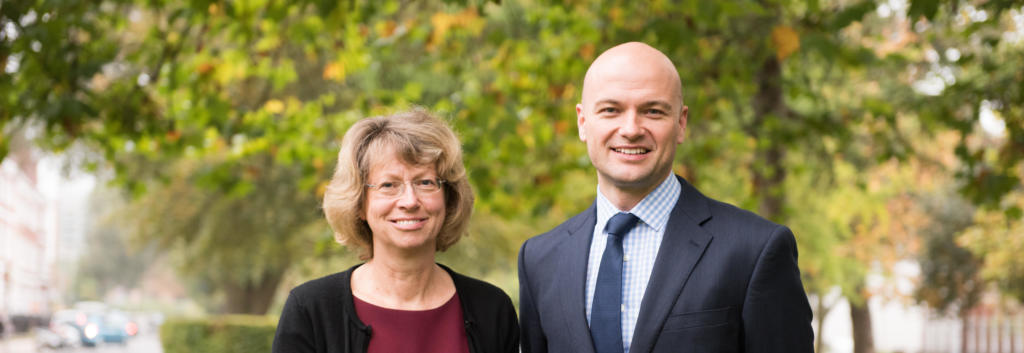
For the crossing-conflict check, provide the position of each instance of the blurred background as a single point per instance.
(163, 161)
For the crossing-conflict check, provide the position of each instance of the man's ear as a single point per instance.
(683, 115)
(580, 121)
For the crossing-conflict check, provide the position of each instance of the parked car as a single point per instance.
(117, 327)
(58, 335)
(87, 325)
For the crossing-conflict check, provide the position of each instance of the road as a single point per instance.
(148, 343)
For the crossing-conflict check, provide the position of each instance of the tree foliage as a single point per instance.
(110, 259)
(223, 117)
(996, 240)
(237, 241)
(950, 273)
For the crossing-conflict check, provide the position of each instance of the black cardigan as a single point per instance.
(320, 316)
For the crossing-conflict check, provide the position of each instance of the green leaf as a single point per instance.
(1014, 213)
(851, 14)
(926, 8)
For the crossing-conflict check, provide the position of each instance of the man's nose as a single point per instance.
(630, 127)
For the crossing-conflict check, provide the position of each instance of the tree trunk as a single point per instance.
(252, 298)
(988, 333)
(1012, 327)
(1000, 323)
(863, 340)
(822, 312)
(965, 330)
(768, 172)
(768, 183)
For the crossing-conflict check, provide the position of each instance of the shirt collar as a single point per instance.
(654, 209)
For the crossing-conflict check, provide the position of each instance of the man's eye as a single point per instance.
(607, 110)
(655, 112)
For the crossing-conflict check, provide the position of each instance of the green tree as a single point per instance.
(110, 259)
(950, 273)
(235, 240)
(208, 98)
(995, 240)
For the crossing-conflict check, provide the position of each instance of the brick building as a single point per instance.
(28, 229)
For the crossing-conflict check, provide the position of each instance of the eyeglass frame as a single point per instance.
(406, 183)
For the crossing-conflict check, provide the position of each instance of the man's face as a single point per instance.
(631, 119)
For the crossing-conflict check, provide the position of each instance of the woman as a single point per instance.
(400, 195)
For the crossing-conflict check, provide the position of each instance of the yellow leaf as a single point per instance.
(443, 21)
(386, 29)
(204, 68)
(321, 189)
(786, 41)
(587, 51)
(334, 71)
(616, 15)
(274, 106)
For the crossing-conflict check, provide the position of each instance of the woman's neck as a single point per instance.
(402, 283)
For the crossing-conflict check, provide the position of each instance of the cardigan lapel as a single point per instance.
(681, 248)
(574, 251)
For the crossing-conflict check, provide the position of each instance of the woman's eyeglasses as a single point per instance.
(396, 188)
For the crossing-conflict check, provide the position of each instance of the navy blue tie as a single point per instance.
(606, 311)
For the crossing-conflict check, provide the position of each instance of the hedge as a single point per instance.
(218, 334)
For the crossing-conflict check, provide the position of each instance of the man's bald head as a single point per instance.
(632, 60)
(632, 118)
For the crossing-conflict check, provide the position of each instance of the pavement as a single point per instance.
(145, 343)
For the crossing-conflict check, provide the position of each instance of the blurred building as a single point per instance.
(28, 237)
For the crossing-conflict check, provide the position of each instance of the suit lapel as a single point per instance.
(681, 248)
(573, 270)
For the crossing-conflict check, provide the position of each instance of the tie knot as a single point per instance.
(621, 223)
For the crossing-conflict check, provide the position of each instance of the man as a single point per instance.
(653, 265)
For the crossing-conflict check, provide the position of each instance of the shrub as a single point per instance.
(218, 334)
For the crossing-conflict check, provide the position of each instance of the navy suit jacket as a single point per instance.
(724, 280)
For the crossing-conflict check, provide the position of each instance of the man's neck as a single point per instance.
(625, 197)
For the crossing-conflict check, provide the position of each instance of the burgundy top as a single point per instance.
(438, 330)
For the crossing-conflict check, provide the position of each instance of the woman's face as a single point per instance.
(409, 221)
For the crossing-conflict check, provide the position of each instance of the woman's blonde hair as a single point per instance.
(418, 138)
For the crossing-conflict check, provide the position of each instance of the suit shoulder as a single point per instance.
(558, 232)
(732, 214)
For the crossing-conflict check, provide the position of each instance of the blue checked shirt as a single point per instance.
(640, 248)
